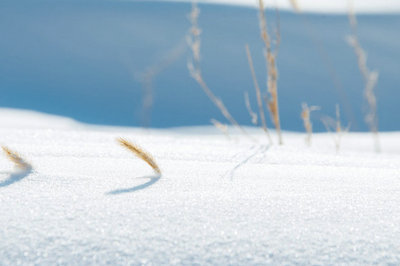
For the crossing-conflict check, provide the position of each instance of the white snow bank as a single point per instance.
(319, 6)
(219, 201)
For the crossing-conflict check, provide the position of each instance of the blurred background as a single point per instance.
(94, 61)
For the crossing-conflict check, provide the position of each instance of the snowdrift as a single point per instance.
(219, 201)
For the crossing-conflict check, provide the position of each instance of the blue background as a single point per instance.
(82, 59)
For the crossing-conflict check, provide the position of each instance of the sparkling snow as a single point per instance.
(218, 201)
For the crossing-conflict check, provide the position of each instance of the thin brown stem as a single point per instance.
(194, 42)
(370, 79)
(272, 71)
(258, 94)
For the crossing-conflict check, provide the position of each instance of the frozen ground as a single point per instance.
(219, 201)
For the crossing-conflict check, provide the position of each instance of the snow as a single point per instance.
(219, 201)
(320, 6)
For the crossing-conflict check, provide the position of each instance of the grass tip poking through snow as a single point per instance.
(142, 154)
(19, 162)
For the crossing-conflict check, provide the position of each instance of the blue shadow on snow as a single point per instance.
(152, 180)
(15, 177)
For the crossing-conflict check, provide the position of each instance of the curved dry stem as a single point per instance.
(139, 152)
(16, 159)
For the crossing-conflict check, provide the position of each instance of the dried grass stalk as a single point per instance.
(221, 127)
(194, 42)
(148, 76)
(258, 94)
(370, 79)
(16, 159)
(295, 5)
(272, 71)
(139, 152)
(253, 115)
(331, 124)
(339, 129)
(306, 116)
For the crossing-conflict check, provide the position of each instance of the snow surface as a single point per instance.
(319, 6)
(218, 201)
